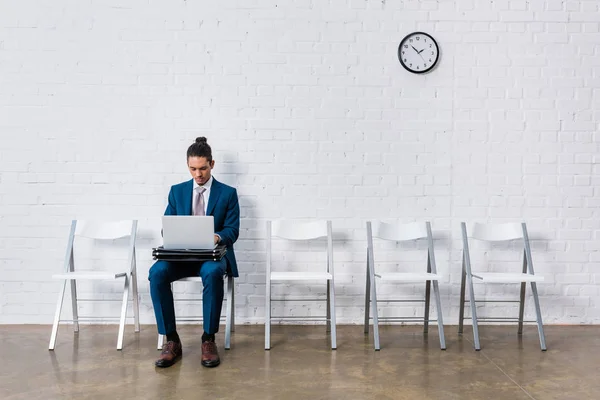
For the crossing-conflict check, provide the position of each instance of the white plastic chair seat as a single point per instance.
(408, 276)
(502, 277)
(300, 276)
(91, 275)
(190, 279)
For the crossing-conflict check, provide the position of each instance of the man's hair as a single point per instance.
(200, 148)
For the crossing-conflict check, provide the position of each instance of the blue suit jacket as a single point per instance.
(222, 205)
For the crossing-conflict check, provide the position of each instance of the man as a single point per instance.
(202, 195)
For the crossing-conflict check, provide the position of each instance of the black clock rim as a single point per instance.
(434, 61)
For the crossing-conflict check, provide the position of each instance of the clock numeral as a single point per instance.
(410, 40)
(402, 51)
(432, 53)
(418, 38)
(418, 67)
(410, 65)
(405, 60)
(430, 60)
(406, 46)
(425, 66)
(430, 46)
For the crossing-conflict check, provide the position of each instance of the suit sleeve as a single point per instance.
(231, 227)
(171, 207)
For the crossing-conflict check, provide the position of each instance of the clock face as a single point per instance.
(418, 52)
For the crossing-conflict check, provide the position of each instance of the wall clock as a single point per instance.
(418, 52)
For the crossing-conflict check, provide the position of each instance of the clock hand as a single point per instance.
(420, 51)
(414, 48)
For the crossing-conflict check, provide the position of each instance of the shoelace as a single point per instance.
(212, 347)
(168, 348)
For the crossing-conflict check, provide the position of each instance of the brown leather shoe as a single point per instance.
(171, 353)
(210, 355)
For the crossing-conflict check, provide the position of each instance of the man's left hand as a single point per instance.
(217, 239)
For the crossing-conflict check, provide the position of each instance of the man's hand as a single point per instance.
(217, 239)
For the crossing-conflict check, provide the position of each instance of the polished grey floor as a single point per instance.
(300, 365)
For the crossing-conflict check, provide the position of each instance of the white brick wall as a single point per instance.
(310, 115)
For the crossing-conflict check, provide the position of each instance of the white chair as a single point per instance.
(496, 233)
(229, 315)
(398, 233)
(98, 231)
(301, 231)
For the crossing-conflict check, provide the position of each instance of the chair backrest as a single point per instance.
(298, 230)
(495, 232)
(105, 230)
(102, 230)
(399, 232)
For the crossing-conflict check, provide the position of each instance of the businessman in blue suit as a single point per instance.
(202, 195)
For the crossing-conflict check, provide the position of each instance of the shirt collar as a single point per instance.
(206, 186)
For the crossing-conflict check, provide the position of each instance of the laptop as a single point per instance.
(188, 232)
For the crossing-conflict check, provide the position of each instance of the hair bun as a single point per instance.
(201, 139)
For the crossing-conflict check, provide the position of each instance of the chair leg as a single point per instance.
(427, 300)
(136, 302)
(521, 307)
(229, 315)
(372, 295)
(438, 305)
(59, 304)
(331, 290)
(461, 311)
(538, 313)
(375, 316)
(367, 302)
(474, 315)
(74, 305)
(232, 306)
(268, 317)
(522, 298)
(328, 318)
(123, 313)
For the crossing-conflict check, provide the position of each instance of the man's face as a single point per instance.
(200, 169)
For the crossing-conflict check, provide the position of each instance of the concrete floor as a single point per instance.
(300, 365)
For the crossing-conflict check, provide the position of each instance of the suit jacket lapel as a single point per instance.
(187, 198)
(215, 192)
